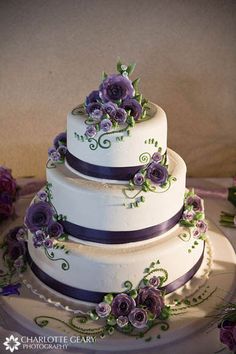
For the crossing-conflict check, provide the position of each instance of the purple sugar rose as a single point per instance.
(202, 226)
(151, 299)
(60, 139)
(196, 233)
(55, 229)
(7, 182)
(106, 125)
(110, 108)
(42, 195)
(120, 116)
(48, 243)
(122, 321)
(138, 318)
(157, 156)
(154, 281)
(95, 110)
(134, 107)
(157, 173)
(122, 304)
(103, 309)
(228, 334)
(91, 131)
(38, 215)
(38, 238)
(195, 202)
(138, 179)
(115, 88)
(92, 97)
(188, 215)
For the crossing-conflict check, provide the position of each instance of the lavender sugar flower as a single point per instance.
(201, 226)
(95, 110)
(55, 229)
(157, 157)
(157, 173)
(38, 238)
(122, 304)
(138, 179)
(103, 309)
(138, 318)
(120, 116)
(122, 321)
(115, 88)
(151, 299)
(90, 131)
(196, 233)
(154, 281)
(92, 97)
(48, 243)
(106, 125)
(195, 202)
(110, 108)
(42, 195)
(54, 155)
(188, 215)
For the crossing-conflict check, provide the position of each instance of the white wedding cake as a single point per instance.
(115, 227)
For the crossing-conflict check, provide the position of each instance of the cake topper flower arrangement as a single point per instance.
(57, 153)
(116, 103)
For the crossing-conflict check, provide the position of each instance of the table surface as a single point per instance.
(213, 207)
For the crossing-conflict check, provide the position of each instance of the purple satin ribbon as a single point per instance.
(88, 169)
(95, 296)
(116, 237)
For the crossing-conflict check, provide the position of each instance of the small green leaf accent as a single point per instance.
(111, 320)
(131, 68)
(108, 298)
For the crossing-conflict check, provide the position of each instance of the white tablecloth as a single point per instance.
(207, 340)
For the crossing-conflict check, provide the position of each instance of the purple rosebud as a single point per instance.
(10, 289)
(120, 116)
(42, 195)
(134, 107)
(202, 226)
(188, 215)
(228, 334)
(55, 229)
(95, 109)
(154, 281)
(122, 304)
(157, 156)
(196, 202)
(54, 155)
(115, 88)
(92, 97)
(106, 125)
(60, 139)
(110, 108)
(151, 299)
(103, 309)
(91, 131)
(196, 233)
(157, 173)
(48, 243)
(122, 321)
(138, 179)
(38, 215)
(62, 150)
(138, 318)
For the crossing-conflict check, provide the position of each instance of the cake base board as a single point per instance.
(217, 290)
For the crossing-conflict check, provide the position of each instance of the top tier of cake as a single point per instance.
(118, 154)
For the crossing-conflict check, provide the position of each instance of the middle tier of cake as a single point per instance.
(101, 212)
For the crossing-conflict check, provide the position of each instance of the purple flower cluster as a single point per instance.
(228, 334)
(155, 171)
(39, 219)
(111, 103)
(193, 215)
(57, 152)
(134, 311)
(16, 247)
(8, 191)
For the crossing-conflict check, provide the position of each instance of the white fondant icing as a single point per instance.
(100, 206)
(121, 153)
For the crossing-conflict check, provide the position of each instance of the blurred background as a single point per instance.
(52, 54)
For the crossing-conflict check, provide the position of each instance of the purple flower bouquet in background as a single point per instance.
(8, 193)
(227, 326)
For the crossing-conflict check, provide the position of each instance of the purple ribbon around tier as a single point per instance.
(113, 173)
(95, 296)
(116, 237)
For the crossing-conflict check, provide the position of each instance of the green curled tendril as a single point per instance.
(128, 285)
(145, 158)
(64, 266)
